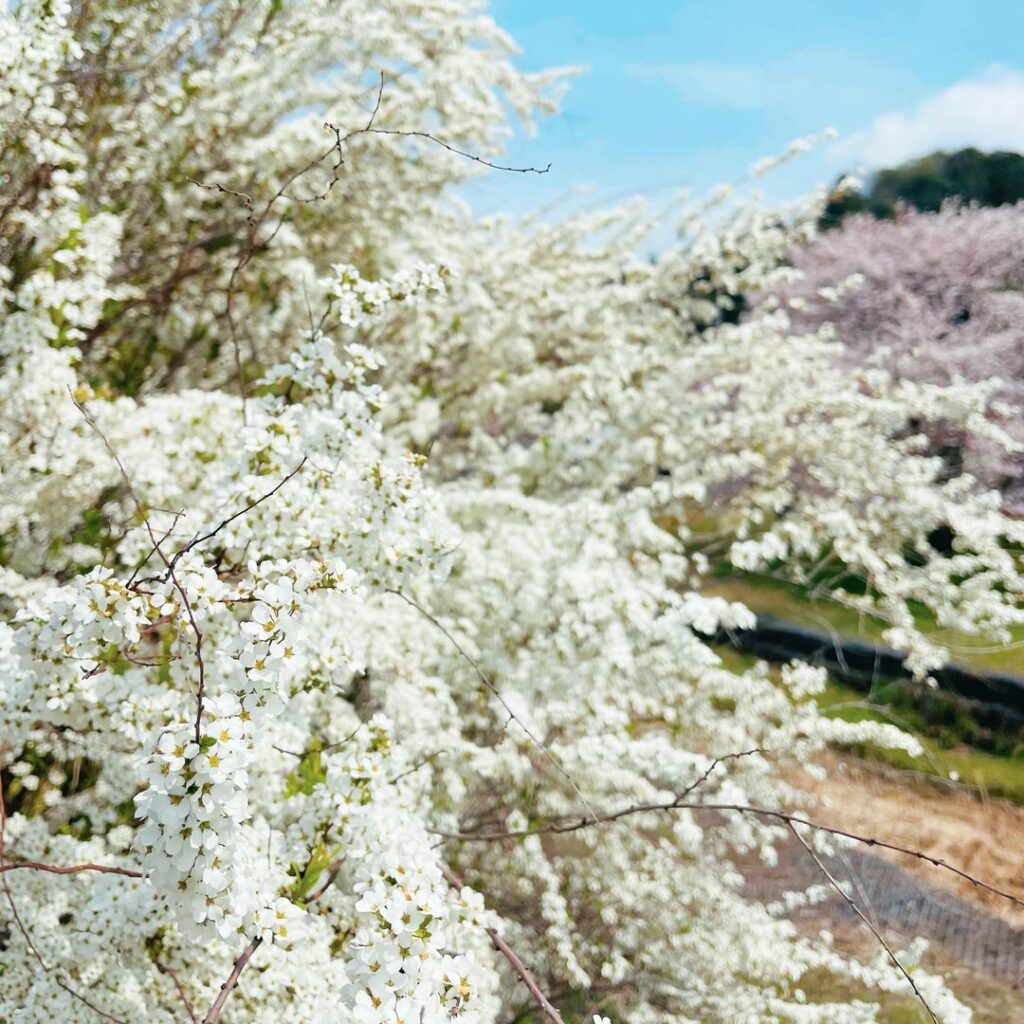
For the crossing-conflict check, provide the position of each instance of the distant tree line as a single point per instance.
(985, 179)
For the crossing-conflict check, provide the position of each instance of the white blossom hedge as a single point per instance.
(354, 664)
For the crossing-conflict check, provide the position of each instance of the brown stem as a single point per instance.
(573, 823)
(510, 955)
(26, 935)
(172, 974)
(54, 869)
(210, 534)
(489, 685)
(852, 903)
(213, 1014)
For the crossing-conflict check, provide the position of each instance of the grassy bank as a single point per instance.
(956, 747)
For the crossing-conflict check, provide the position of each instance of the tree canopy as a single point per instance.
(968, 175)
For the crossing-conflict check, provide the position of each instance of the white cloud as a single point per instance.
(986, 112)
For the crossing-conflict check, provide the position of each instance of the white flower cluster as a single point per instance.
(405, 918)
(62, 649)
(357, 299)
(194, 809)
(198, 845)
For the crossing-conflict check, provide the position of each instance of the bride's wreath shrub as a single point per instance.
(353, 659)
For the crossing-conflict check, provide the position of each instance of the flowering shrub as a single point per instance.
(354, 660)
(936, 298)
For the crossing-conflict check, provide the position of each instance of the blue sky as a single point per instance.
(688, 93)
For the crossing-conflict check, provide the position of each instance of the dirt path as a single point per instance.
(973, 935)
(984, 838)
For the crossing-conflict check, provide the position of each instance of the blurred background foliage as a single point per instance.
(985, 179)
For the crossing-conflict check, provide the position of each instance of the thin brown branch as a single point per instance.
(26, 935)
(328, 882)
(422, 763)
(172, 974)
(320, 750)
(854, 906)
(409, 133)
(213, 1014)
(709, 771)
(510, 955)
(342, 742)
(74, 869)
(338, 147)
(255, 220)
(170, 563)
(200, 661)
(163, 558)
(512, 716)
(247, 200)
(152, 551)
(575, 822)
(210, 534)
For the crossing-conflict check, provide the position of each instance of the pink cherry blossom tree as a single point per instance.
(935, 298)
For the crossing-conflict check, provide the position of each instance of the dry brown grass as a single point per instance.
(982, 837)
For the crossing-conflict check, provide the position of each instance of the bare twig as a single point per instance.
(714, 764)
(210, 534)
(575, 822)
(408, 133)
(512, 716)
(200, 662)
(422, 763)
(172, 974)
(256, 219)
(510, 955)
(47, 968)
(854, 906)
(338, 148)
(152, 551)
(247, 201)
(213, 1014)
(340, 743)
(320, 750)
(75, 869)
(328, 882)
